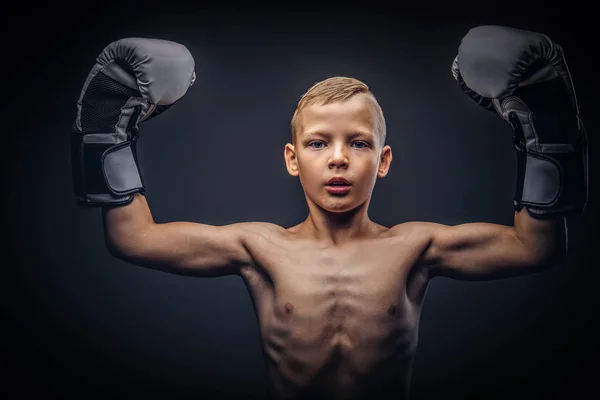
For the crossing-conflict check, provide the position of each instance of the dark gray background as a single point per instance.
(79, 321)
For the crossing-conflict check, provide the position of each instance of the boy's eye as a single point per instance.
(319, 145)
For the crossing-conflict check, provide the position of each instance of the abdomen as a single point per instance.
(315, 354)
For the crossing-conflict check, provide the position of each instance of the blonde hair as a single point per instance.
(334, 89)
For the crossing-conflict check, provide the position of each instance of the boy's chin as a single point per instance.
(338, 206)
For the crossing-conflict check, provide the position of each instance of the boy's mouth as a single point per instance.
(337, 185)
(338, 181)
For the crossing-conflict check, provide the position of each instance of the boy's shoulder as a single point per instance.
(264, 230)
(411, 228)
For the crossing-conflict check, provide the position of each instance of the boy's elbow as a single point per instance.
(551, 257)
(125, 243)
(114, 248)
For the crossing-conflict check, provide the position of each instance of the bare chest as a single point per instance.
(363, 276)
(340, 310)
(338, 286)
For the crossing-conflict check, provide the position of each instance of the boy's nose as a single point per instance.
(338, 158)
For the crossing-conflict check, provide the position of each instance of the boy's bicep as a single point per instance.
(190, 248)
(476, 251)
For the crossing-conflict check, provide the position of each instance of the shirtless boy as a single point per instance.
(338, 297)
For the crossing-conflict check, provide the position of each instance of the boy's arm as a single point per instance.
(132, 81)
(522, 76)
(185, 248)
(475, 251)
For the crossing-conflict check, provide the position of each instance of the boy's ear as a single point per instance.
(385, 161)
(291, 162)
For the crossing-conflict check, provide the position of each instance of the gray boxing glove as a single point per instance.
(133, 80)
(523, 76)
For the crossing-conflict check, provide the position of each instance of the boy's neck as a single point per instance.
(335, 229)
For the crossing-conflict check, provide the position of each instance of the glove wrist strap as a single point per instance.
(104, 173)
(552, 181)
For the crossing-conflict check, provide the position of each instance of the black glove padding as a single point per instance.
(523, 76)
(133, 80)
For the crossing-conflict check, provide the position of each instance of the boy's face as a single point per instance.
(338, 140)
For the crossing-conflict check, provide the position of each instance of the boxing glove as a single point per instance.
(132, 81)
(523, 76)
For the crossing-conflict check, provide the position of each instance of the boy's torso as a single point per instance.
(337, 322)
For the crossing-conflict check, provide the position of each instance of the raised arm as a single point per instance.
(134, 80)
(185, 248)
(523, 77)
(475, 251)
